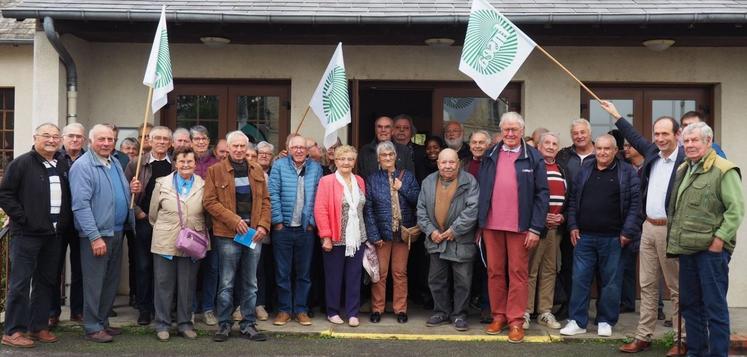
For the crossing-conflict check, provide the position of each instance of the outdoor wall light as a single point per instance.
(658, 45)
(215, 42)
(439, 42)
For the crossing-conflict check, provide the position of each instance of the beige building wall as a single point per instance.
(16, 71)
(114, 91)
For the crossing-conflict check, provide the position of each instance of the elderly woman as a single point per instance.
(391, 200)
(338, 211)
(173, 271)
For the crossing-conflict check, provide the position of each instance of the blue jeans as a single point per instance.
(293, 248)
(704, 277)
(234, 257)
(592, 253)
(209, 267)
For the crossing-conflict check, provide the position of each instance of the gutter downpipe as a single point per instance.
(71, 70)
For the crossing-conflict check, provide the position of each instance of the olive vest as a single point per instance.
(696, 210)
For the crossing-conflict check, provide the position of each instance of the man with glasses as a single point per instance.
(367, 158)
(73, 141)
(153, 165)
(514, 199)
(39, 210)
(292, 186)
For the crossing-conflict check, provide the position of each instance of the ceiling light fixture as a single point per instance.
(215, 42)
(658, 45)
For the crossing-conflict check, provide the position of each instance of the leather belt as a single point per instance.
(657, 222)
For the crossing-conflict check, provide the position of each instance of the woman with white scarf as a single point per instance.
(338, 211)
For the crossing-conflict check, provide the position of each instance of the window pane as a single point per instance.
(186, 107)
(9, 122)
(602, 122)
(673, 108)
(258, 117)
(208, 107)
(474, 113)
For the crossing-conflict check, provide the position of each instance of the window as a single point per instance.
(7, 112)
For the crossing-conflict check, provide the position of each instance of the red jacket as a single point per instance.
(328, 206)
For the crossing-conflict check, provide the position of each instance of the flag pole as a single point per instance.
(302, 118)
(569, 73)
(142, 143)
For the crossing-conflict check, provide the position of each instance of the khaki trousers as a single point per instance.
(543, 268)
(653, 261)
(397, 253)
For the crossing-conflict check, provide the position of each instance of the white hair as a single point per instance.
(705, 131)
(483, 132)
(582, 122)
(546, 134)
(265, 145)
(511, 116)
(73, 126)
(179, 132)
(385, 146)
(236, 135)
(96, 129)
(160, 128)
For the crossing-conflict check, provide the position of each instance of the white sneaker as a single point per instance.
(526, 321)
(209, 318)
(335, 320)
(572, 329)
(548, 319)
(604, 329)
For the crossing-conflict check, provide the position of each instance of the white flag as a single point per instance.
(330, 102)
(494, 49)
(158, 72)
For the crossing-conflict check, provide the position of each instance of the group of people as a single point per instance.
(493, 220)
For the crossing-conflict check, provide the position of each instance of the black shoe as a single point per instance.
(661, 315)
(461, 324)
(375, 317)
(222, 334)
(402, 317)
(144, 318)
(667, 323)
(436, 320)
(251, 333)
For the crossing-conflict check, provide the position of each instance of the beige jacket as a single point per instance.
(163, 214)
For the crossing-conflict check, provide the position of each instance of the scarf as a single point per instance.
(352, 228)
(396, 213)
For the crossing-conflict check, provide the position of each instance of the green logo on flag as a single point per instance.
(163, 63)
(335, 95)
(491, 42)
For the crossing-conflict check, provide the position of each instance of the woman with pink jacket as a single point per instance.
(338, 211)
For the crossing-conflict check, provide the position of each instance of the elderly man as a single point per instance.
(315, 152)
(454, 138)
(513, 208)
(367, 160)
(180, 138)
(144, 129)
(447, 208)
(153, 164)
(101, 208)
(247, 205)
(706, 208)
(660, 162)
(572, 158)
(220, 150)
(479, 141)
(265, 151)
(693, 117)
(73, 140)
(35, 194)
(543, 267)
(603, 212)
(293, 183)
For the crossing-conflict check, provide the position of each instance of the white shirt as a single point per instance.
(658, 182)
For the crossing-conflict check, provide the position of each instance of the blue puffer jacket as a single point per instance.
(630, 202)
(378, 209)
(282, 187)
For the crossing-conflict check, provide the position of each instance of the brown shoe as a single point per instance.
(53, 321)
(677, 351)
(635, 346)
(113, 331)
(495, 327)
(17, 340)
(43, 336)
(281, 319)
(515, 334)
(303, 319)
(99, 337)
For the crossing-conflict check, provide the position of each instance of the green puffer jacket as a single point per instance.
(705, 204)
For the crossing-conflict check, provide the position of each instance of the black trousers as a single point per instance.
(144, 265)
(31, 258)
(76, 276)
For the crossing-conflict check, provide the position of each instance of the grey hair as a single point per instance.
(581, 121)
(290, 137)
(159, 128)
(236, 134)
(44, 125)
(197, 130)
(607, 137)
(265, 145)
(250, 146)
(480, 131)
(546, 134)
(385, 146)
(97, 128)
(66, 130)
(511, 116)
(409, 120)
(129, 141)
(178, 132)
(706, 133)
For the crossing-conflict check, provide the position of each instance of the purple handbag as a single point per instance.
(189, 241)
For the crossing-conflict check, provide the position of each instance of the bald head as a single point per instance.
(448, 164)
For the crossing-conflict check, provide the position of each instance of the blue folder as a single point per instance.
(246, 238)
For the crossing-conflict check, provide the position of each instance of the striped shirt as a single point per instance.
(55, 191)
(557, 185)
